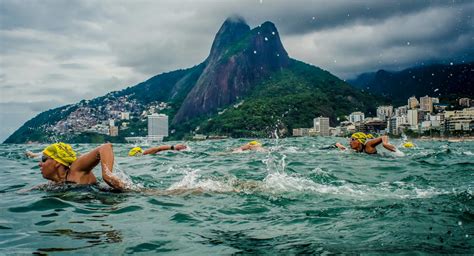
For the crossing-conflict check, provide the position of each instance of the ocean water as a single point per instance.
(293, 198)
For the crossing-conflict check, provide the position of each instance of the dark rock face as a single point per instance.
(239, 57)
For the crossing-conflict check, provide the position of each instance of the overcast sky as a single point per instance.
(54, 53)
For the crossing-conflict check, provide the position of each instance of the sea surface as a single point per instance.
(294, 198)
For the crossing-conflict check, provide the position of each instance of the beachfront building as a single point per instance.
(426, 104)
(384, 112)
(412, 118)
(401, 111)
(439, 107)
(301, 132)
(125, 115)
(412, 102)
(397, 124)
(113, 131)
(321, 125)
(157, 126)
(464, 102)
(372, 125)
(460, 121)
(355, 117)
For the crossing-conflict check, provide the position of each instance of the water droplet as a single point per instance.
(278, 55)
(273, 33)
(266, 38)
(408, 43)
(451, 63)
(254, 52)
(314, 18)
(460, 223)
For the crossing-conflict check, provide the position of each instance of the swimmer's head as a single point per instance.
(136, 151)
(61, 153)
(254, 143)
(360, 137)
(56, 157)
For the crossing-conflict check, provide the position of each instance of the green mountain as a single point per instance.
(247, 86)
(448, 82)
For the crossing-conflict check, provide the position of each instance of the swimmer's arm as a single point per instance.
(371, 144)
(340, 146)
(155, 150)
(104, 155)
(243, 148)
(387, 145)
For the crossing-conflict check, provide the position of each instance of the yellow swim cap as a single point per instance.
(360, 136)
(254, 143)
(61, 152)
(408, 144)
(134, 151)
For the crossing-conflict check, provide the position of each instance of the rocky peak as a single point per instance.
(239, 58)
(232, 30)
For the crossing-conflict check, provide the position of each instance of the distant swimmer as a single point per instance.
(60, 164)
(408, 144)
(137, 151)
(361, 142)
(253, 145)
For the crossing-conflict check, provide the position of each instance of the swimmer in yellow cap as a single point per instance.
(361, 142)
(60, 164)
(137, 151)
(253, 145)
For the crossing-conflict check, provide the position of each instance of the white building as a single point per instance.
(356, 117)
(401, 111)
(384, 112)
(465, 102)
(321, 125)
(157, 125)
(412, 117)
(397, 124)
(426, 104)
(300, 132)
(125, 115)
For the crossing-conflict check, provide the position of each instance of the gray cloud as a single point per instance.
(63, 51)
(15, 114)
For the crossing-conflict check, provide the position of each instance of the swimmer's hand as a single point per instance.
(340, 146)
(113, 181)
(30, 154)
(180, 147)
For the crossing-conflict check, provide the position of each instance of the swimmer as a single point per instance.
(137, 151)
(253, 145)
(60, 165)
(359, 143)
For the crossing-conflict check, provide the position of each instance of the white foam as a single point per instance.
(192, 181)
(281, 183)
(398, 153)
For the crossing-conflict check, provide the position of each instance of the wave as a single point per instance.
(282, 184)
